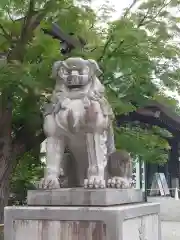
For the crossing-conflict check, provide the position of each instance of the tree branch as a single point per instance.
(112, 35)
(38, 17)
(10, 17)
(5, 33)
(129, 8)
(120, 77)
(27, 19)
(160, 10)
(31, 21)
(93, 49)
(141, 23)
(105, 47)
(91, 27)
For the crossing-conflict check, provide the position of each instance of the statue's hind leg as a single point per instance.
(55, 147)
(96, 148)
(120, 170)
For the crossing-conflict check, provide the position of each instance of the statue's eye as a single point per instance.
(64, 71)
(86, 70)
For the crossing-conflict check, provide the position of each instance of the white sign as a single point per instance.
(159, 184)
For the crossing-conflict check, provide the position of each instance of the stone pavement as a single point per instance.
(170, 217)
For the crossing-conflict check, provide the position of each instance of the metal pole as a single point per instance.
(140, 173)
(145, 181)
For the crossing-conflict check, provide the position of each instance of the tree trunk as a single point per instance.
(5, 151)
(5, 170)
(11, 150)
(9, 156)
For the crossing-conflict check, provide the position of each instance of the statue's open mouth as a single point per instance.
(75, 86)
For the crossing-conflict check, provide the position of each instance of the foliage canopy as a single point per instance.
(139, 55)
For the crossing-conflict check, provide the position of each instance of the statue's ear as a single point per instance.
(55, 68)
(94, 67)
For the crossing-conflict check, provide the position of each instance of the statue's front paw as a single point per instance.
(94, 182)
(118, 182)
(49, 182)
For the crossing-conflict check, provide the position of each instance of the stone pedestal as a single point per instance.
(83, 197)
(119, 222)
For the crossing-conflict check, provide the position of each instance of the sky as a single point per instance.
(118, 4)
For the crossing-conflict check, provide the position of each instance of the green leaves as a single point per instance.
(27, 172)
(140, 59)
(143, 143)
(25, 69)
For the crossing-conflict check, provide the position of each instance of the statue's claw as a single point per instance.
(49, 182)
(61, 172)
(94, 182)
(118, 182)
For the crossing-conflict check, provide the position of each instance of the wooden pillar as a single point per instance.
(174, 164)
(150, 171)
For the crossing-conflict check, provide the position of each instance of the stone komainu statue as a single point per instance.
(80, 118)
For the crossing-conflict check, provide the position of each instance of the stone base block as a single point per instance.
(125, 222)
(83, 197)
